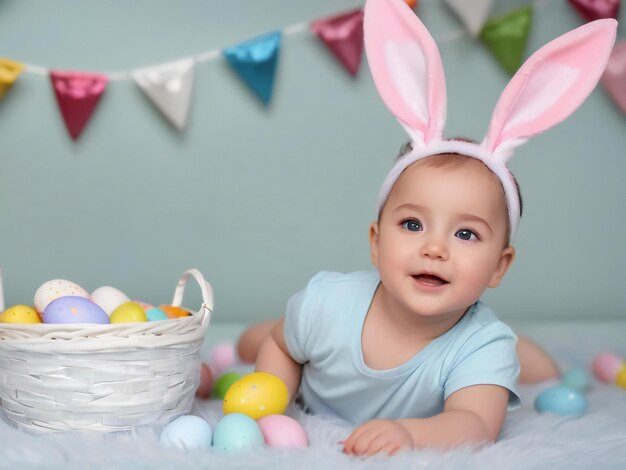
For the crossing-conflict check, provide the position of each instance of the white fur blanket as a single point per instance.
(528, 441)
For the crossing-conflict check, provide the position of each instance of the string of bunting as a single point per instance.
(169, 86)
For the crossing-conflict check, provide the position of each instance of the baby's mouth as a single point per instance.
(430, 279)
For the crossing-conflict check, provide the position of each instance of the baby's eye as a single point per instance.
(466, 234)
(412, 225)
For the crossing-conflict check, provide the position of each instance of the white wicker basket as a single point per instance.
(103, 377)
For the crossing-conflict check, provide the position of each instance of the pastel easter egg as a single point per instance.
(128, 312)
(145, 305)
(109, 298)
(561, 400)
(74, 309)
(174, 312)
(222, 356)
(605, 367)
(283, 432)
(206, 382)
(156, 314)
(237, 432)
(256, 395)
(223, 383)
(20, 314)
(620, 378)
(187, 433)
(577, 379)
(54, 289)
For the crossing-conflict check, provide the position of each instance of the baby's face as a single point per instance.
(440, 239)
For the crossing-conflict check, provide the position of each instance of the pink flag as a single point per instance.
(614, 77)
(343, 35)
(592, 10)
(78, 94)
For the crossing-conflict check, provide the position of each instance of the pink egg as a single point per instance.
(606, 366)
(221, 357)
(282, 431)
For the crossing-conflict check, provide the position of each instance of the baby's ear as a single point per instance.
(504, 263)
(373, 234)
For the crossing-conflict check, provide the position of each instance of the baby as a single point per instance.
(408, 353)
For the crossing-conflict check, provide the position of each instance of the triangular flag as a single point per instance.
(614, 77)
(343, 35)
(9, 71)
(78, 94)
(506, 37)
(592, 10)
(473, 14)
(169, 86)
(255, 63)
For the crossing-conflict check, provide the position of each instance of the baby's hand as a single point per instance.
(379, 435)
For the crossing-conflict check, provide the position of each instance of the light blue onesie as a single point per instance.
(323, 326)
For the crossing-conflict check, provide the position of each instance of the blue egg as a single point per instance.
(577, 379)
(156, 314)
(237, 432)
(186, 433)
(74, 309)
(562, 401)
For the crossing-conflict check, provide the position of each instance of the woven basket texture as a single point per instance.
(102, 377)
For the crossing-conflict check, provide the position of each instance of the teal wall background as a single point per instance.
(261, 199)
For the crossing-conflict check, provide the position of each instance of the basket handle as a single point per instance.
(205, 288)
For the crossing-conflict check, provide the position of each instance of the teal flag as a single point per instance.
(255, 63)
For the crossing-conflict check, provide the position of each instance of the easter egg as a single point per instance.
(187, 433)
(109, 298)
(156, 314)
(54, 289)
(128, 312)
(562, 401)
(73, 309)
(620, 378)
(576, 378)
(282, 431)
(256, 395)
(605, 367)
(145, 305)
(206, 382)
(237, 432)
(174, 312)
(223, 383)
(222, 356)
(20, 314)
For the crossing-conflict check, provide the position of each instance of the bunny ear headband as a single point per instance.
(408, 73)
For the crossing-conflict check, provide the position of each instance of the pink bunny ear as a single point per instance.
(407, 69)
(550, 86)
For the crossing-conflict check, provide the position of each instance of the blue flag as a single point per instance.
(255, 62)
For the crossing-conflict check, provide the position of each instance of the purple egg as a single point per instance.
(74, 309)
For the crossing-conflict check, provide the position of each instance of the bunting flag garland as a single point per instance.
(78, 94)
(9, 71)
(343, 35)
(592, 10)
(169, 87)
(614, 77)
(255, 63)
(472, 14)
(506, 37)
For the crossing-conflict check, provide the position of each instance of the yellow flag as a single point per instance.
(9, 71)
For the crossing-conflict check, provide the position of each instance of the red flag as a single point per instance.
(78, 94)
(592, 10)
(343, 35)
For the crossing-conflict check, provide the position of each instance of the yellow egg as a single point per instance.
(620, 378)
(128, 312)
(256, 395)
(20, 314)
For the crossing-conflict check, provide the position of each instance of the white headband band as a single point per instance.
(408, 73)
(464, 148)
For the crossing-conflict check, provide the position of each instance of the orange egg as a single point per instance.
(174, 312)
